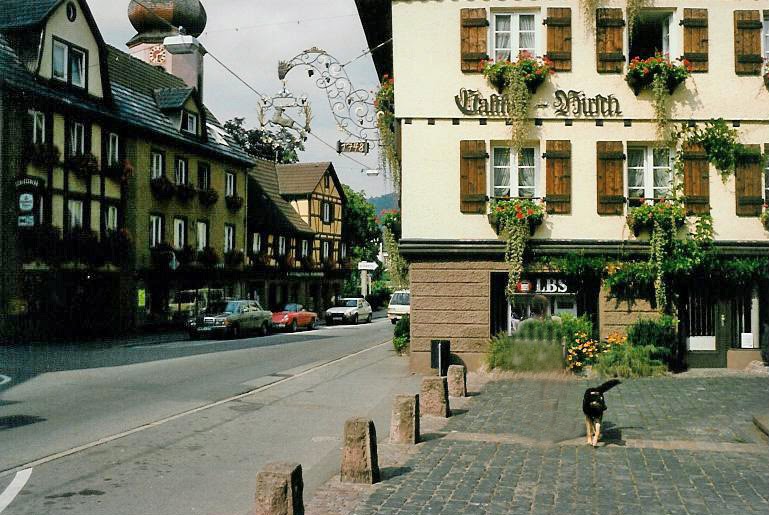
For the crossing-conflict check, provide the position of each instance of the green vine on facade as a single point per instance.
(389, 160)
(634, 8)
(398, 268)
(517, 219)
(588, 8)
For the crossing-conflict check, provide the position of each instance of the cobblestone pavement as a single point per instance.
(673, 446)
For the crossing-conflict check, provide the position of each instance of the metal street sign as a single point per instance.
(353, 147)
(367, 265)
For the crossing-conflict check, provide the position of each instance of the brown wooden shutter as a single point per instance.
(696, 43)
(558, 177)
(696, 180)
(610, 173)
(609, 40)
(474, 29)
(472, 176)
(748, 187)
(559, 38)
(747, 42)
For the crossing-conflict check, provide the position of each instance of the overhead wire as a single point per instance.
(253, 89)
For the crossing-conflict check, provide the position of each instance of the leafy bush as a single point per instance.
(573, 325)
(509, 353)
(401, 344)
(658, 333)
(631, 361)
(402, 334)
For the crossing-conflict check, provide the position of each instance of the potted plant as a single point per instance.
(42, 155)
(532, 70)
(667, 214)
(765, 217)
(208, 257)
(642, 73)
(162, 188)
(119, 171)
(208, 197)
(185, 192)
(84, 165)
(233, 203)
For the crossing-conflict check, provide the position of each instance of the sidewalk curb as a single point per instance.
(762, 423)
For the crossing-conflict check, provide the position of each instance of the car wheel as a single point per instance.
(235, 332)
(368, 318)
(355, 319)
(292, 327)
(263, 330)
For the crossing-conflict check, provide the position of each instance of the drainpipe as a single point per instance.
(754, 316)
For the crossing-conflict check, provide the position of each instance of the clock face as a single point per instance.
(157, 54)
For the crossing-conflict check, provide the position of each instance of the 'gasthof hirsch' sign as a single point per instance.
(573, 104)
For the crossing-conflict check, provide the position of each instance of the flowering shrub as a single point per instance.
(666, 213)
(532, 70)
(765, 217)
(517, 218)
(384, 103)
(582, 351)
(642, 72)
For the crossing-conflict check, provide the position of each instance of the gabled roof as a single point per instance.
(172, 98)
(376, 17)
(272, 209)
(301, 179)
(24, 13)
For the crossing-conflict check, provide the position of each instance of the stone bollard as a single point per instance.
(457, 378)
(359, 457)
(404, 425)
(434, 397)
(279, 489)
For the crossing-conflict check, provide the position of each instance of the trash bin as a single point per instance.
(440, 352)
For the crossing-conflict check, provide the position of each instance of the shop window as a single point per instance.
(38, 126)
(111, 218)
(180, 171)
(75, 213)
(651, 34)
(156, 230)
(76, 139)
(649, 174)
(514, 33)
(229, 237)
(158, 165)
(204, 176)
(202, 235)
(515, 175)
(113, 151)
(180, 233)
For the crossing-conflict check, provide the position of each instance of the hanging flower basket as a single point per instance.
(83, 165)
(233, 203)
(208, 197)
(185, 192)
(42, 155)
(516, 211)
(533, 69)
(162, 188)
(668, 214)
(641, 73)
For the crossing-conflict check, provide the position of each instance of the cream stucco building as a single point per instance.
(455, 157)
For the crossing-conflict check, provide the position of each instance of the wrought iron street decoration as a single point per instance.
(353, 147)
(285, 107)
(571, 104)
(352, 108)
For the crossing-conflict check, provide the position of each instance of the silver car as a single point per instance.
(239, 317)
(349, 311)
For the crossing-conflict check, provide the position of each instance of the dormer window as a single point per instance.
(69, 64)
(189, 122)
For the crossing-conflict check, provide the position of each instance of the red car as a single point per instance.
(294, 316)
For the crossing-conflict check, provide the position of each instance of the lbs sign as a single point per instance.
(542, 285)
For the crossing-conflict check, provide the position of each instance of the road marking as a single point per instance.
(108, 439)
(4, 379)
(14, 488)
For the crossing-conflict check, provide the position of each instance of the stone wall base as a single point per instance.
(738, 359)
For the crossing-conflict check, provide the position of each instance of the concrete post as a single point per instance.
(457, 379)
(279, 488)
(404, 425)
(359, 457)
(434, 397)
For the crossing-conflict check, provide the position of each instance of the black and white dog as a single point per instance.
(593, 406)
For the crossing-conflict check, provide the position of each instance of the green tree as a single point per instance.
(361, 229)
(282, 146)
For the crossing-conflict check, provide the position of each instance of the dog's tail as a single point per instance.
(608, 385)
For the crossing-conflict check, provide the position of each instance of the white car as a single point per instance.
(350, 311)
(400, 304)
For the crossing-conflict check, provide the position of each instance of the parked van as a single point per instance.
(192, 303)
(400, 304)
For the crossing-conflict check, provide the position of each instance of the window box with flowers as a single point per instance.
(83, 165)
(329, 264)
(119, 247)
(234, 258)
(42, 155)
(185, 192)
(531, 70)
(308, 262)
(162, 188)
(260, 260)
(286, 262)
(120, 172)
(208, 197)
(233, 203)
(667, 214)
(642, 73)
(208, 257)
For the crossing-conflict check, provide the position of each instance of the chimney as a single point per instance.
(185, 59)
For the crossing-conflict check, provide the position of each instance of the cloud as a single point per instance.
(250, 37)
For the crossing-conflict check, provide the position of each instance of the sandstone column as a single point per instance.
(457, 378)
(279, 489)
(359, 457)
(434, 397)
(404, 425)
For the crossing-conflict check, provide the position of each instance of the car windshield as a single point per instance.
(233, 307)
(292, 307)
(400, 299)
(347, 303)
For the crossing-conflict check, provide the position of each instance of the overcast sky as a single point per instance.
(251, 36)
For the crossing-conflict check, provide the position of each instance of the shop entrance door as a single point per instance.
(723, 322)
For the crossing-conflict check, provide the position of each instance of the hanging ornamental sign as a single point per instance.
(575, 104)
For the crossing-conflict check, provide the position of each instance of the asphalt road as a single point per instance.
(183, 427)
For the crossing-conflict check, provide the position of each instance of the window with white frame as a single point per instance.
(180, 171)
(325, 250)
(343, 251)
(229, 184)
(765, 35)
(326, 208)
(76, 139)
(256, 243)
(305, 248)
(180, 233)
(68, 64)
(75, 213)
(204, 176)
(111, 218)
(158, 165)
(77, 67)
(59, 61)
(202, 235)
(156, 230)
(514, 33)
(281, 245)
(229, 237)
(113, 150)
(38, 126)
(649, 173)
(190, 122)
(515, 175)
